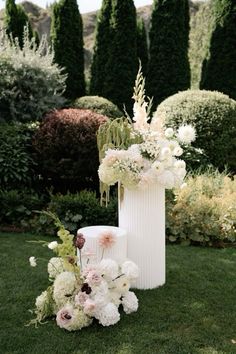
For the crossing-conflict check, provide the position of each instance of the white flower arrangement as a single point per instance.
(137, 154)
(80, 293)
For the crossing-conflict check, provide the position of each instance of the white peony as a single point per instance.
(130, 302)
(52, 245)
(109, 268)
(108, 315)
(122, 285)
(130, 269)
(186, 134)
(64, 287)
(55, 267)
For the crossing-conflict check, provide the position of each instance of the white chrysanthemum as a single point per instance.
(41, 301)
(55, 267)
(130, 302)
(122, 285)
(169, 132)
(186, 134)
(109, 268)
(130, 269)
(64, 287)
(108, 315)
(33, 261)
(72, 319)
(52, 245)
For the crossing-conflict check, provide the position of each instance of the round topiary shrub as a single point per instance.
(67, 151)
(214, 116)
(99, 105)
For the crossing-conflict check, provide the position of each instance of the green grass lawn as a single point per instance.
(195, 312)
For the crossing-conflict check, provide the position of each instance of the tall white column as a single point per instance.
(142, 214)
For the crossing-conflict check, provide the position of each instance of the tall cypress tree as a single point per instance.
(67, 39)
(219, 70)
(168, 69)
(16, 20)
(142, 47)
(122, 63)
(101, 50)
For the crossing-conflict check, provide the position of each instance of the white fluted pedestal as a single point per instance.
(118, 251)
(142, 215)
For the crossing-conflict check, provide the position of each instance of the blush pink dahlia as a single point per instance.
(106, 239)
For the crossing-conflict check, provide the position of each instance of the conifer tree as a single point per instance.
(122, 62)
(168, 69)
(142, 47)
(101, 50)
(219, 70)
(67, 40)
(15, 20)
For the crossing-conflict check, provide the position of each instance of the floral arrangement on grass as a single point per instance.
(80, 293)
(137, 153)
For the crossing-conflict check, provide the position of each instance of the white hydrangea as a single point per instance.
(130, 269)
(55, 267)
(167, 179)
(65, 285)
(130, 302)
(109, 268)
(186, 134)
(108, 315)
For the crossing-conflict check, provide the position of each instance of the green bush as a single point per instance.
(204, 211)
(17, 207)
(67, 151)
(99, 105)
(17, 162)
(31, 84)
(83, 209)
(214, 116)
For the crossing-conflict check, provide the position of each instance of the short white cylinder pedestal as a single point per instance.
(142, 215)
(118, 251)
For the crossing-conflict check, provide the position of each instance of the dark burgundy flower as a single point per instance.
(79, 241)
(86, 288)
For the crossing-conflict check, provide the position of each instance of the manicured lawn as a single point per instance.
(195, 312)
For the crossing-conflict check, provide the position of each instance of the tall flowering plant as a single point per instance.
(81, 292)
(140, 152)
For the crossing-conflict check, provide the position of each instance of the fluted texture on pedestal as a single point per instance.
(118, 251)
(142, 215)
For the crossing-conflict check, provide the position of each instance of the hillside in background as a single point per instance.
(201, 24)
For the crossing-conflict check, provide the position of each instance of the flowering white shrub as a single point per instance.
(31, 83)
